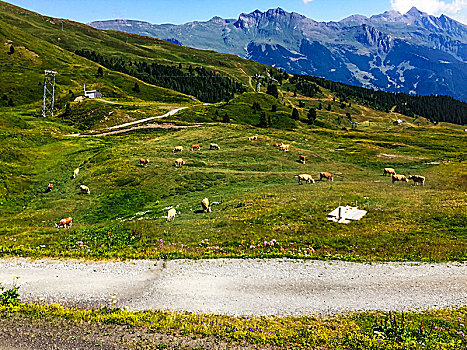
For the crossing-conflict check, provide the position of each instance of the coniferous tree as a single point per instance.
(256, 106)
(136, 88)
(328, 107)
(100, 72)
(272, 90)
(274, 108)
(320, 106)
(263, 122)
(226, 118)
(202, 83)
(295, 114)
(12, 50)
(311, 116)
(67, 109)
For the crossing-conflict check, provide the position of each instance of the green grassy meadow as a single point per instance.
(259, 198)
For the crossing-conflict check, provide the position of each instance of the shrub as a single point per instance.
(9, 296)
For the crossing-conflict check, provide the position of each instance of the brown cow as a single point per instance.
(277, 144)
(305, 177)
(253, 138)
(171, 214)
(417, 179)
(214, 146)
(196, 147)
(302, 159)
(75, 173)
(64, 223)
(399, 178)
(284, 148)
(50, 187)
(389, 171)
(84, 189)
(325, 175)
(205, 204)
(143, 162)
(179, 162)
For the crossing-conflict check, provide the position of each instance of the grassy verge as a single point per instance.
(436, 329)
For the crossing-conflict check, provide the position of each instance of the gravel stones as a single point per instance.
(241, 286)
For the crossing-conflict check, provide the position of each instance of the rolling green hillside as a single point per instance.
(258, 197)
(39, 43)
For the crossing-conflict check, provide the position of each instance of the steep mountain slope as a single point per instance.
(411, 53)
(41, 43)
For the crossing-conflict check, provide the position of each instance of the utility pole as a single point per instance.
(49, 93)
(258, 78)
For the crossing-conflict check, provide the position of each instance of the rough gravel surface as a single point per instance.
(241, 287)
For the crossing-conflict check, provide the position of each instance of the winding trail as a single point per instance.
(168, 114)
(113, 129)
(241, 287)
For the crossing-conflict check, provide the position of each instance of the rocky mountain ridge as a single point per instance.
(413, 53)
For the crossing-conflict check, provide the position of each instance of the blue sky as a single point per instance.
(181, 11)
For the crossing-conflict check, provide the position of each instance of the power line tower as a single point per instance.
(258, 78)
(49, 93)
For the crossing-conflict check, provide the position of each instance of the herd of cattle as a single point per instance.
(417, 179)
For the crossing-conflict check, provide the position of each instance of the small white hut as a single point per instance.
(91, 93)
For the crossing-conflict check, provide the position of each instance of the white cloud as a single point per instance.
(432, 7)
(307, 1)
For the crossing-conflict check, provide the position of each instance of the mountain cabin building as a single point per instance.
(91, 93)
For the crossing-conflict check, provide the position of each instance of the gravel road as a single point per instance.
(241, 287)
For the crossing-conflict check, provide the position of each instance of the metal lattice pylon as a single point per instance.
(49, 93)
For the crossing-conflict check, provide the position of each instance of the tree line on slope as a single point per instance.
(205, 85)
(434, 108)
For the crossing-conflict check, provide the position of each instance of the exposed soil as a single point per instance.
(22, 333)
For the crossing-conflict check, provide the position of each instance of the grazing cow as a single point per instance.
(84, 189)
(305, 177)
(177, 149)
(302, 159)
(179, 162)
(399, 178)
(417, 179)
(205, 204)
(171, 214)
(325, 175)
(278, 144)
(284, 148)
(253, 138)
(64, 223)
(50, 187)
(214, 146)
(389, 171)
(195, 147)
(143, 162)
(75, 173)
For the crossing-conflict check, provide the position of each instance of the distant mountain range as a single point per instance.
(413, 53)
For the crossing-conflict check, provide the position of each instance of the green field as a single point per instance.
(259, 198)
